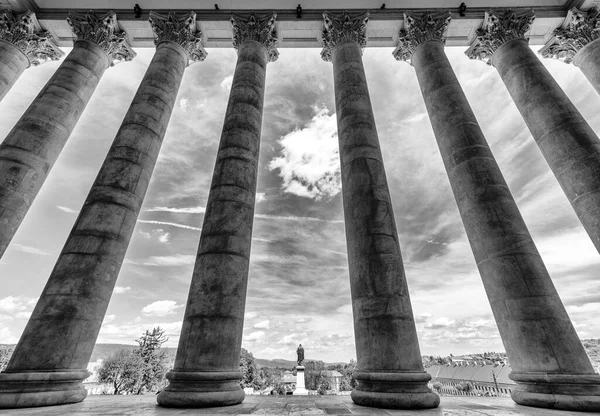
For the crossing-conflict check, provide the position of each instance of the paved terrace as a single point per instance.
(287, 405)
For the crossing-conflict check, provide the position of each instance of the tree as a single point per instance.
(5, 355)
(250, 375)
(122, 370)
(314, 374)
(156, 362)
(139, 370)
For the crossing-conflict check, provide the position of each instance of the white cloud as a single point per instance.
(262, 325)
(67, 210)
(157, 233)
(250, 315)
(255, 336)
(29, 249)
(120, 289)
(310, 163)
(17, 306)
(109, 318)
(260, 197)
(183, 104)
(226, 83)
(161, 308)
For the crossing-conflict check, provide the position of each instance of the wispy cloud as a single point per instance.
(28, 249)
(165, 261)
(66, 209)
(188, 210)
(170, 224)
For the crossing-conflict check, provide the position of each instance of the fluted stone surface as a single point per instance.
(206, 371)
(29, 151)
(390, 372)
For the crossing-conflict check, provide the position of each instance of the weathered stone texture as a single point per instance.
(535, 328)
(63, 328)
(588, 60)
(206, 371)
(566, 140)
(13, 63)
(384, 327)
(33, 145)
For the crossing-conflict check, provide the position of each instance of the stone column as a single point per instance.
(206, 371)
(578, 41)
(568, 143)
(390, 372)
(22, 43)
(540, 340)
(29, 151)
(59, 338)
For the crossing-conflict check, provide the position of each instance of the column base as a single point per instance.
(394, 391)
(34, 389)
(201, 389)
(579, 392)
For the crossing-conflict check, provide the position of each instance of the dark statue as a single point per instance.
(300, 352)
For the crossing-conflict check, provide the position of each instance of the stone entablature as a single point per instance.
(181, 30)
(419, 29)
(103, 31)
(24, 31)
(579, 29)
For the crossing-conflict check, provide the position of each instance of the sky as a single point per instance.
(298, 289)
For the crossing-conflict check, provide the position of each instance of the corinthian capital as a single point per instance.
(340, 28)
(578, 29)
(497, 29)
(181, 30)
(103, 31)
(259, 29)
(418, 30)
(25, 33)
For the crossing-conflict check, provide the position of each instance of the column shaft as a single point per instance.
(588, 60)
(568, 143)
(389, 360)
(13, 63)
(206, 371)
(65, 323)
(29, 151)
(536, 331)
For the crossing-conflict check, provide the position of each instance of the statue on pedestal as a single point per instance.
(300, 352)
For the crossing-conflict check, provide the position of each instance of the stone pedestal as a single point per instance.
(206, 372)
(35, 142)
(549, 364)
(48, 364)
(300, 385)
(389, 360)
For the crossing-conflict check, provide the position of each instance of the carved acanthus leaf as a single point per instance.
(578, 29)
(181, 30)
(103, 31)
(343, 27)
(497, 29)
(25, 33)
(259, 29)
(418, 30)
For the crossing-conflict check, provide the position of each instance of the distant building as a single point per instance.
(480, 376)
